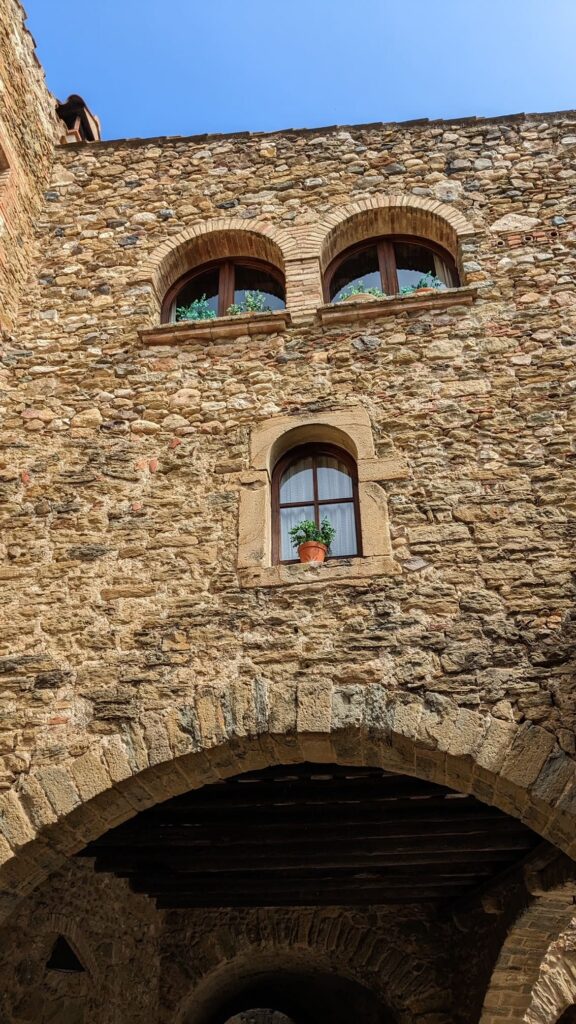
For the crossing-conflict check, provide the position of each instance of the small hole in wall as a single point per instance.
(528, 238)
(63, 958)
(553, 234)
(4, 166)
(500, 244)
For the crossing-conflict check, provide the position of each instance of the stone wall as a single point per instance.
(27, 135)
(122, 460)
(112, 932)
(128, 641)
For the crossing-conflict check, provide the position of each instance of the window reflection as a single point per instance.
(358, 272)
(226, 287)
(389, 266)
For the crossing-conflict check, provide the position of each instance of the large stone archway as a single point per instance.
(57, 810)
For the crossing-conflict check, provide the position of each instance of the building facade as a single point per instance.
(410, 357)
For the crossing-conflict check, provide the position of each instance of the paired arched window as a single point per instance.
(314, 482)
(225, 287)
(388, 265)
(395, 264)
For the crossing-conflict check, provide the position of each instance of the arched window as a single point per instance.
(388, 266)
(314, 482)
(225, 287)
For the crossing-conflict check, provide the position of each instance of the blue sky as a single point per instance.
(181, 67)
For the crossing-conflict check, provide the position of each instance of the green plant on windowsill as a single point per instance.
(312, 541)
(198, 309)
(254, 302)
(360, 289)
(427, 283)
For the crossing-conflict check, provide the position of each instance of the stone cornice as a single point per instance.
(364, 309)
(223, 328)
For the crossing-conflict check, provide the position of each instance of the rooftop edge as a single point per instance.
(415, 123)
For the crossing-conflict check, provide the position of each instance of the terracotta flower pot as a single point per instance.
(312, 551)
(423, 291)
(359, 297)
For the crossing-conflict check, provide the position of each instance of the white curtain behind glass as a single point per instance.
(297, 483)
(334, 482)
(342, 519)
(290, 517)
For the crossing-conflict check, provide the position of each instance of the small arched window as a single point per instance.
(315, 482)
(388, 266)
(223, 287)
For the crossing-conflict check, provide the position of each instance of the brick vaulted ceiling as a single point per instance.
(312, 835)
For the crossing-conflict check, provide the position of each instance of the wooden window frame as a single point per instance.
(226, 281)
(387, 261)
(313, 451)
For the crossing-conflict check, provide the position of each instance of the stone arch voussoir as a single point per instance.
(55, 810)
(555, 989)
(334, 945)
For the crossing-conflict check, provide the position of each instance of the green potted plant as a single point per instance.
(254, 302)
(313, 542)
(428, 283)
(359, 291)
(198, 309)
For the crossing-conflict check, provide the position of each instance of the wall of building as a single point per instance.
(128, 639)
(27, 136)
(123, 461)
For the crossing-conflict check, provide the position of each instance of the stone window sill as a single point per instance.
(391, 305)
(221, 328)
(344, 570)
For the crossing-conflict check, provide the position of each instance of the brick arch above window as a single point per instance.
(392, 215)
(215, 240)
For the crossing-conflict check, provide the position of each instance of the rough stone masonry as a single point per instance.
(128, 639)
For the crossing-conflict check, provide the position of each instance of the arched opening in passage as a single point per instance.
(297, 997)
(258, 1015)
(369, 866)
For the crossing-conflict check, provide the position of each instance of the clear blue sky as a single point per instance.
(180, 67)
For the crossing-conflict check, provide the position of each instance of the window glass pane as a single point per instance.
(358, 271)
(334, 480)
(205, 284)
(252, 279)
(343, 520)
(415, 262)
(297, 482)
(290, 517)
